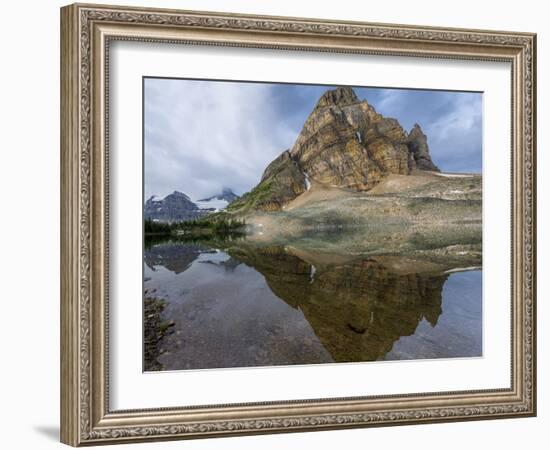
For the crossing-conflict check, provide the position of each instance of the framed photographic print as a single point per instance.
(275, 224)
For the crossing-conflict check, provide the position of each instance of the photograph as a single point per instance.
(295, 224)
(292, 220)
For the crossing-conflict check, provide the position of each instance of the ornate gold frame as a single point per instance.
(86, 31)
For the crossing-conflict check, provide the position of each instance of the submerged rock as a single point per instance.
(154, 331)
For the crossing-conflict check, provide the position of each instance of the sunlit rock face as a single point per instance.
(358, 309)
(344, 143)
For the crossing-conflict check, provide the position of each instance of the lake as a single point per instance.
(238, 304)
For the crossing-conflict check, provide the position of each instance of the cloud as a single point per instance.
(390, 100)
(457, 135)
(203, 136)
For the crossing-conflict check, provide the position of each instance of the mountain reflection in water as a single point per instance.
(262, 306)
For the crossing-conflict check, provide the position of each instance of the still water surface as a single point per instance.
(243, 307)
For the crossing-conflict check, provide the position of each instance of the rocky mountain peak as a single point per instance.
(174, 207)
(178, 194)
(228, 194)
(341, 96)
(344, 143)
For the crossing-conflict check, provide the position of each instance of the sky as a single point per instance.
(203, 136)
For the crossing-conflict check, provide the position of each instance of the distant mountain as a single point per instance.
(178, 207)
(172, 208)
(217, 202)
(226, 194)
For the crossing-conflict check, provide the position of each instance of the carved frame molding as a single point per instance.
(86, 32)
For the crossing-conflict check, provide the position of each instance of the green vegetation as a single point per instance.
(160, 228)
(204, 240)
(196, 228)
(261, 194)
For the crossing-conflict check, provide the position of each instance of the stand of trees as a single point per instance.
(196, 226)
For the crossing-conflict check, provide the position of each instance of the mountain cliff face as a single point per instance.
(172, 208)
(344, 143)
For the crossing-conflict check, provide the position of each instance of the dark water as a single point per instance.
(246, 306)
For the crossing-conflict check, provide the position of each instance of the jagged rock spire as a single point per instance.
(341, 96)
(417, 142)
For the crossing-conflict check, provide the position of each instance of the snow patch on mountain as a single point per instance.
(212, 204)
(217, 202)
